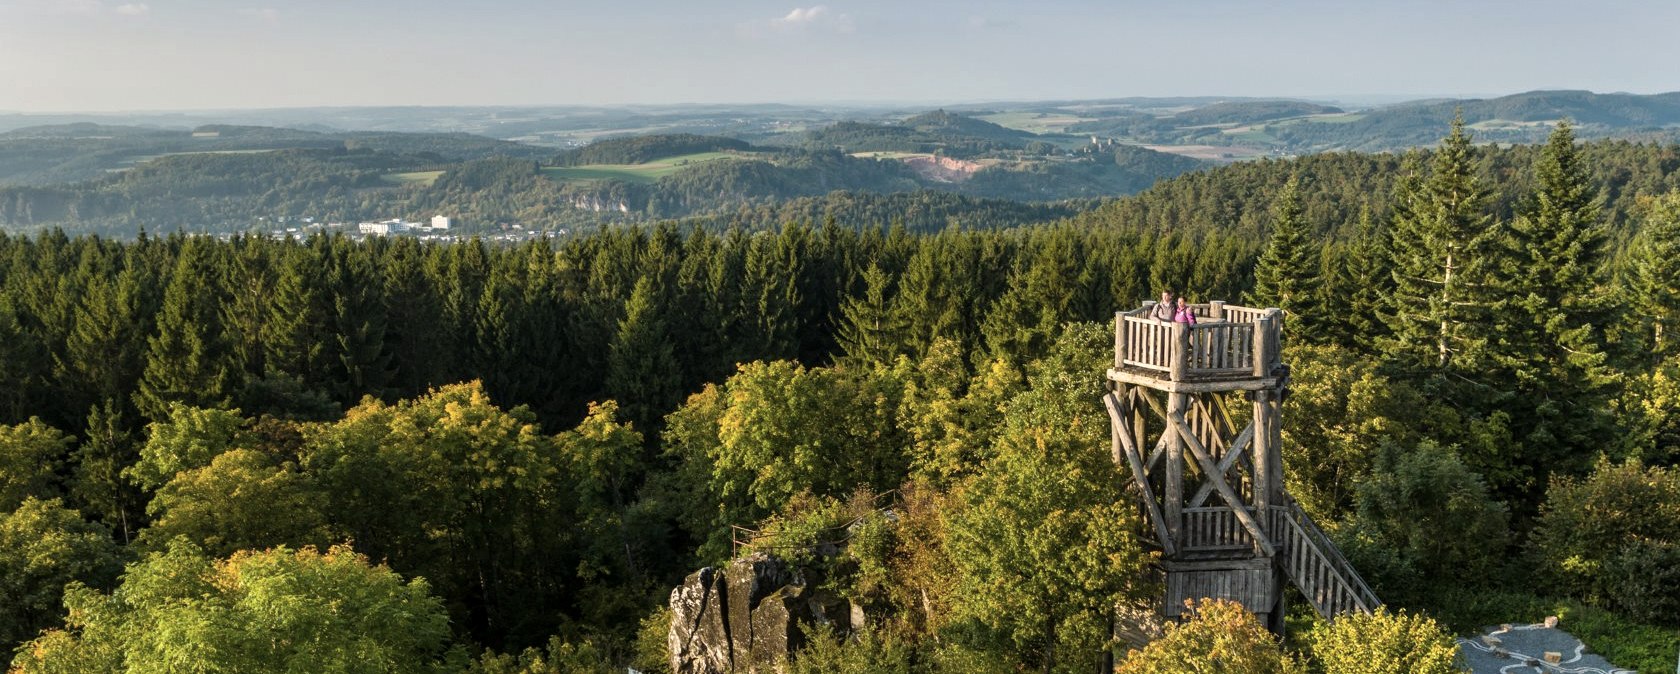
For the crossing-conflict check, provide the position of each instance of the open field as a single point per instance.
(891, 155)
(425, 178)
(1509, 124)
(1251, 134)
(1034, 122)
(635, 173)
(1212, 152)
(132, 162)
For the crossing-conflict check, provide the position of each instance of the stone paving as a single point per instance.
(1530, 649)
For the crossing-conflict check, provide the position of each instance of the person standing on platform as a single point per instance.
(1184, 314)
(1163, 311)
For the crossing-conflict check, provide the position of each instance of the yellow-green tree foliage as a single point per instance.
(278, 610)
(43, 547)
(30, 455)
(1382, 643)
(1221, 637)
(1041, 539)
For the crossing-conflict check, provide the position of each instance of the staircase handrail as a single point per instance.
(1328, 551)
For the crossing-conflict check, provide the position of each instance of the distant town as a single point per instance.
(439, 229)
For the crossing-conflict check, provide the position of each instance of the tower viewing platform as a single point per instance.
(1230, 348)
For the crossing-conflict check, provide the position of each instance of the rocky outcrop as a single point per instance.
(747, 617)
(943, 169)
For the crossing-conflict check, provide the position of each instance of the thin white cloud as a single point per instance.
(814, 17)
(133, 9)
(268, 14)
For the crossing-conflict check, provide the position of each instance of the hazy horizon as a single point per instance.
(91, 56)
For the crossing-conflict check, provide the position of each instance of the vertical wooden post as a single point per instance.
(1274, 337)
(1119, 339)
(1216, 310)
(1180, 350)
(1173, 485)
(1262, 453)
(1262, 346)
(1274, 443)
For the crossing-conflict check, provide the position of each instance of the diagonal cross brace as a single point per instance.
(1218, 482)
(1230, 459)
(1117, 429)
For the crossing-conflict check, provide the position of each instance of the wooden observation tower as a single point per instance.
(1194, 411)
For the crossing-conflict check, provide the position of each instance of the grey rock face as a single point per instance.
(746, 617)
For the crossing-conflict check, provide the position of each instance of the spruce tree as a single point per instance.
(359, 363)
(1440, 226)
(23, 364)
(99, 360)
(1550, 305)
(187, 360)
(294, 339)
(1357, 279)
(642, 370)
(937, 296)
(1287, 275)
(1654, 277)
(871, 332)
(99, 486)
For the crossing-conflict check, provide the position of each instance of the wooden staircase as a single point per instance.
(1316, 567)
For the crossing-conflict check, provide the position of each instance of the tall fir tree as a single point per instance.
(1372, 279)
(294, 338)
(1287, 275)
(24, 364)
(1653, 279)
(98, 485)
(871, 332)
(360, 365)
(642, 370)
(248, 278)
(99, 354)
(1551, 306)
(187, 359)
(1440, 227)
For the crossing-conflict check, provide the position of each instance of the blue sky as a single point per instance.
(76, 55)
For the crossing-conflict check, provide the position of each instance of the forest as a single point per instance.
(396, 456)
(239, 182)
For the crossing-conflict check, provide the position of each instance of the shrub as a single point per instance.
(1425, 504)
(1585, 524)
(1383, 642)
(1221, 637)
(1643, 581)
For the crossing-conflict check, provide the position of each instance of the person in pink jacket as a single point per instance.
(1184, 314)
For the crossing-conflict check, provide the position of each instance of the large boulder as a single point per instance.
(747, 617)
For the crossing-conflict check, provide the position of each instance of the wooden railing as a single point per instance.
(1226, 342)
(1211, 529)
(1317, 568)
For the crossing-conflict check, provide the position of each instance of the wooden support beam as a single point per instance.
(1159, 451)
(1123, 440)
(1140, 428)
(1190, 442)
(1225, 463)
(1153, 404)
(1159, 382)
(1173, 484)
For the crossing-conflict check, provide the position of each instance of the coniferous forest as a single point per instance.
(234, 455)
